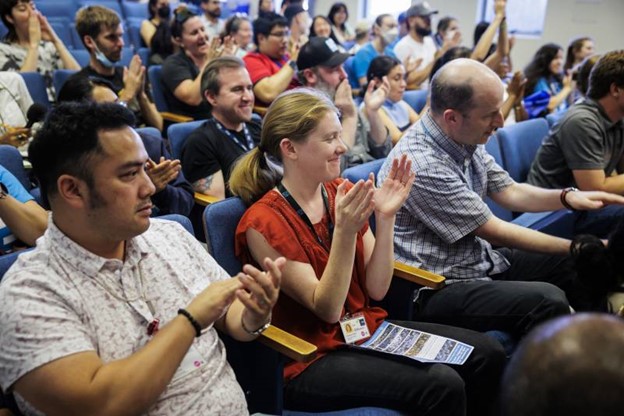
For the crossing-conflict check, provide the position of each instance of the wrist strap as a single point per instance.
(192, 320)
(563, 195)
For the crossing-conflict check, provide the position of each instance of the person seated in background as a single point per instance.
(101, 32)
(211, 150)
(446, 29)
(499, 276)
(173, 194)
(240, 30)
(335, 266)
(384, 32)
(31, 45)
(362, 34)
(585, 149)
(396, 114)
(321, 26)
(266, 8)
(337, 17)
(582, 76)
(321, 68)
(578, 50)
(121, 309)
(545, 74)
(568, 366)
(156, 32)
(15, 101)
(211, 18)
(181, 72)
(22, 219)
(272, 67)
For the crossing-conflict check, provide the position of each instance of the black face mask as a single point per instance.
(164, 12)
(423, 32)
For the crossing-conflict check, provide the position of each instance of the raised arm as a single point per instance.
(47, 33)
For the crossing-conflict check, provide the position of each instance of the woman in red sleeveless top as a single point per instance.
(335, 265)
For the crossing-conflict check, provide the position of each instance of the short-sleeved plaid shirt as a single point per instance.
(434, 228)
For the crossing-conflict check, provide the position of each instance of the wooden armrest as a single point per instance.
(287, 344)
(419, 276)
(203, 199)
(261, 111)
(175, 118)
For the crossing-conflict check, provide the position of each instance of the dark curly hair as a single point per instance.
(540, 66)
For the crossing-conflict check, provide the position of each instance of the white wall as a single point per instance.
(565, 20)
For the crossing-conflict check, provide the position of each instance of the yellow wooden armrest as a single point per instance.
(261, 111)
(288, 344)
(203, 199)
(419, 276)
(175, 118)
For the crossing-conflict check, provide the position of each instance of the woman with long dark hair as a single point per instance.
(338, 15)
(545, 73)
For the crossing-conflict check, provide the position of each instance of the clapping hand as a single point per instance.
(354, 207)
(374, 98)
(395, 189)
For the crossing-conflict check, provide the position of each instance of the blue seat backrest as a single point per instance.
(62, 27)
(355, 173)
(59, 77)
(111, 4)
(154, 74)
(152, 131)
(58, 8)
(553, 118)
(36, 87)
(417, 99)
(180, 219)
(177, 134)
(220, 221)
(81, 56)
(135, 9)
(493, 148)
(134, 33)
(519, 144)
(11, 160)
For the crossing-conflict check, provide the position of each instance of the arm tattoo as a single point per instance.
(203, 185)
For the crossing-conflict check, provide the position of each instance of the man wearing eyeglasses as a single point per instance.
(272, 68)
(211, 17)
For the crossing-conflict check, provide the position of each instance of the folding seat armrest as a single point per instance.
(287, 344)
(418, 276)
(175, 118)
(203, 199)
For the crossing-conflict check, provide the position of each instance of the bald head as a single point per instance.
(454, 85)
(570, 366)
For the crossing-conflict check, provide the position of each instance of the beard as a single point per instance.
(325, 88)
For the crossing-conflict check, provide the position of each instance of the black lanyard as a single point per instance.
(250, 142)
(289, 198)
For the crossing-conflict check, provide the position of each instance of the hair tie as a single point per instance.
(274, 164)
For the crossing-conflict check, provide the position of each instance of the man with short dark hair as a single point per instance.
(569, 366)
(114, 312)
(498, 274)
(101, 32)
(211, 18)
(385, 32)
(585, 149)
(272, 67)
(211, 150)
(363, 133)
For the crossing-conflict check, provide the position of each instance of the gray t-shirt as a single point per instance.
(585, 139)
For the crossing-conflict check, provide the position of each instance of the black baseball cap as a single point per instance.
(320, 51)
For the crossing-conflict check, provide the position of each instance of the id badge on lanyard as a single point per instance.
(354, 328)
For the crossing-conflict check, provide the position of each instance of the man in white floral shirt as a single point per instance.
(113, 312)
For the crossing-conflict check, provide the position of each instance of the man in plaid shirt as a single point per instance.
(446, 227)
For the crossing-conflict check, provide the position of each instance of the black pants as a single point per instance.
(535, 288)
(351, 378)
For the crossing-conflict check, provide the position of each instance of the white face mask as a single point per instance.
(390, 35)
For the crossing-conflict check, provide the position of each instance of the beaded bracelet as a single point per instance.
(192, 320)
